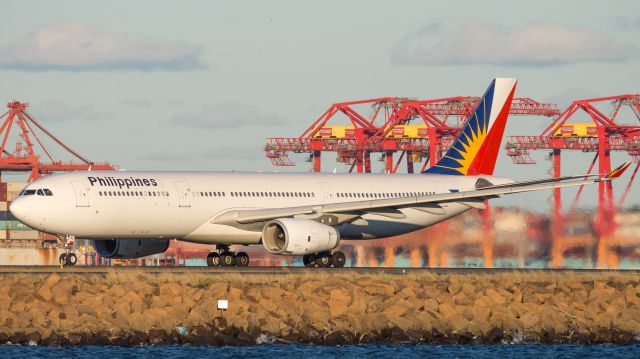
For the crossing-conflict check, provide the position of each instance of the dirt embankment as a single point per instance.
(132, 309)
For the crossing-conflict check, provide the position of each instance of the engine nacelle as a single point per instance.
(129, 248)
(298, 236)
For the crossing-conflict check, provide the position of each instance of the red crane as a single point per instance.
(24, 157)
(604, 136)
(441, 120)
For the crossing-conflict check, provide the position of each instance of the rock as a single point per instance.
(51, 280)
(86, 309)
(335, 338)
(245, 338)
(339, 295)
(399, 308)
(530, 320)
(442, 326)
(468, 289)
(495, 335)
(406, 293)
(454, 288)
(495, 297)
(447, 310)
(395, 335)
(117, 290)
(380, 289)
(369, 337)
(337, 309)
(157, 336)
(171, 290)
(61, 292)
(45, 292)
(234, 294)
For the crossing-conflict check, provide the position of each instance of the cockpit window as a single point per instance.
(47, 192)
(29, 192)
(40, 193)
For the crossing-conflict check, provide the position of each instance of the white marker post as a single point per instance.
(223, 305)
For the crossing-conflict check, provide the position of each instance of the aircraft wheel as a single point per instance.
(71, 259)
(324, 260)
(213, 259)
(227, 259)
(63, 259)
(306, 260)
(242, 259)
(338, 259)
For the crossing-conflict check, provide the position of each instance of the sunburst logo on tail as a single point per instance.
(473, 145)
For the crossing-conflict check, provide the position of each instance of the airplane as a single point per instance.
(132, 214)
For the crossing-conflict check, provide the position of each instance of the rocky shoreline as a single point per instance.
(128, 309)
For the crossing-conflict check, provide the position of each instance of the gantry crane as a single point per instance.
(24, 157)
(605, 135)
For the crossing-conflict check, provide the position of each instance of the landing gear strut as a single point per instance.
(222, 256)
(336, 259)
(68, 258)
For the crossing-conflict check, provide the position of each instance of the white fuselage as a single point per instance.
(184, 205)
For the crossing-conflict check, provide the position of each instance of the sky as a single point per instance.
(199, 85)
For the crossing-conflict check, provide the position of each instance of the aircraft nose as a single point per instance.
(19, 209)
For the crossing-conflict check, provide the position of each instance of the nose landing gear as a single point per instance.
(336, 259)
(68, 258)
(222, 256)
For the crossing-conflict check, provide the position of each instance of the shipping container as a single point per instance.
(11, 195)
(3, 234)
(4, 206)
(408, 131)
(15, 187)
(335, 132)
(17, 225)
(6, 216)
(577, 130)
(20, 235)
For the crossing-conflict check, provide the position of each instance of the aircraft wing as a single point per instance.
(389, 206)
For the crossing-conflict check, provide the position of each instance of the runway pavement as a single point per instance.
(294, 270)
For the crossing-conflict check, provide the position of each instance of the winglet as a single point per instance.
(617, 172)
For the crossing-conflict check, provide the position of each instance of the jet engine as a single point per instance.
(129, 248)
(298, 236)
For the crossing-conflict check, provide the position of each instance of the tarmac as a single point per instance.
(10, 269)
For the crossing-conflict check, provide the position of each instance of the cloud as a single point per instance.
(566, 97)
(230, 114)
(230, 152)
(52, 110)
(75, 46)
(623, 23)
(138, 102)
(534, 44)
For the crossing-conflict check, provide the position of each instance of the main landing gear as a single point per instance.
(336, 259)
(68, 258)
(222, 256)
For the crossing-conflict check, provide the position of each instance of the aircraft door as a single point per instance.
(184, 198)
(326, 191)
(82, 197)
